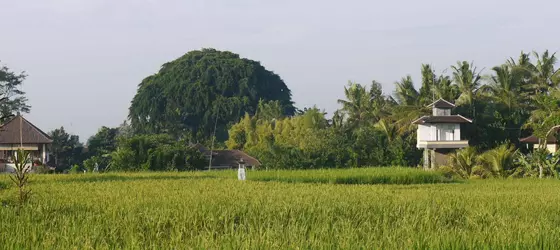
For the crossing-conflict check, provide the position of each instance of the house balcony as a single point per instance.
(443, 144)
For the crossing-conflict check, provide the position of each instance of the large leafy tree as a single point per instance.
(66, 149)
(12, 98)
(203, 90)
(158, 152)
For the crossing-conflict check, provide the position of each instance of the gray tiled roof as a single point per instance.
(30, 134)
(442, 119)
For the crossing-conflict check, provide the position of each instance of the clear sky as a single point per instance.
(85, 58)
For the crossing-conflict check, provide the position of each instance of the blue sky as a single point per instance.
(85, 58)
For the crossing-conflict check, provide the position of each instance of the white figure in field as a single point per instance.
(241, 171)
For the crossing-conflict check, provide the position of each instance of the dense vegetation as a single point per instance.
(204, 91)
(174, 210)
(12, 98)
(514, 100)
(511, 101)
(379, 175)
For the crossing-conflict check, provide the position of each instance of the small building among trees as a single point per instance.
(227, 159)
(19, 133)
(440, 134)
(551, 142)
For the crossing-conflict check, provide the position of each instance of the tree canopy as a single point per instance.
(12, 98)
(202, 91)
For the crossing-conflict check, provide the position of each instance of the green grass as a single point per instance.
(392, 175)
(215, 211)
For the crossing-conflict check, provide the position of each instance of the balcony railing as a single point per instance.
(443, 144)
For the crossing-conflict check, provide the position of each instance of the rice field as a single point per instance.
(378, 175)
(213, 210)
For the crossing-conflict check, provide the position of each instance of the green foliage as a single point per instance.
(42, 169)
(104, 142)
(499, 161)
(101, 146)
(12, 98)
(76, 169)
(21, 176)
(66, 149)
(308, 140)
(90, 163)
(188, 95)
(465, 164)
(155, 153)
(363, 106)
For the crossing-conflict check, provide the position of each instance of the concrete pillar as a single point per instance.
(426, 159)
(44, 160)
(432, 159)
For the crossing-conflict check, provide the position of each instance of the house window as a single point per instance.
(445, 132)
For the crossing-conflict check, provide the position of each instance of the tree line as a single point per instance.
(209, 96)
(516, 99)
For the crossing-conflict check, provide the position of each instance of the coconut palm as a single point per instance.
(505, 86)
(465, 163)
(467, 79)
(545, 76)
(499, 161)
(445, 89)
(405, 93)
(363, 106)
(387, 128)
(409, 107)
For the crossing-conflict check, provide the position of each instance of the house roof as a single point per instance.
(535, 140)
(442, 119)
(552, 138)
(30, 134)
(440, 103)
(200, 148)
(232, 158)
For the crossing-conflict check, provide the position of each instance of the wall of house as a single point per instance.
(441, 112)
(434, 131)
(457, 132)
(442, 156)
(424, 133)
(552, 148)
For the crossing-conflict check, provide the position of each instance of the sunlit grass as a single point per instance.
(213, 210)
(352, 176)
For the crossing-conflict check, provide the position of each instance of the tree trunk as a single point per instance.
(541, 171)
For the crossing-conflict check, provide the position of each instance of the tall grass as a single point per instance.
(201, 211)
(392, 175)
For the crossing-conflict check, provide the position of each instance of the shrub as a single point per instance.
(75, 170)
(499, 161)
(41, 169)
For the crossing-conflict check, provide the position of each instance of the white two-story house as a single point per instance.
(440, 134)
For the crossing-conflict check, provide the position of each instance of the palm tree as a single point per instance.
(465, 163)
(499, 161)
(467, 79)
(387, 128)
(405, 92)
(545, 76)
(505, 86)
(427, 91)
(363, 106)
(445, 89)
(409, 106)
(525, 69)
